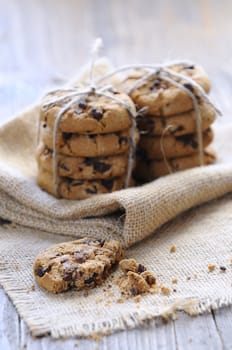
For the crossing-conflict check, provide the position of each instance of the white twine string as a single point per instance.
(73, 96)
(163, 72)
(163, 150)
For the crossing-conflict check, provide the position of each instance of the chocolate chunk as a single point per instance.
(189, 87)
(92, 190)
(44, 125)
(64, 167)
(101, 167)
(68, 274)
(97, 114)
(188, 140)
(108, 184)
(41, 271)
(141, 268)
(223, 268)
(5, 221)
(189, 67)
(88, 161)
(66, 135)
(134, 291)
(91, 279)
(122, 140)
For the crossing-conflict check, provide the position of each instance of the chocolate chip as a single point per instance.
(64, 167)
(92, 136)
(92, 190)
(44, 125)
(189, 87)
(141, 268)
(5, 221)
(188, 140)
(97, 114)
(108, 184)
(223, 268)
(88, 161)
(91, 279)
(134, 291)
(66, 135)
(101, 167)
(68, 274)
(189, 67)
(122, 140)
(82, 104)
(41, 271)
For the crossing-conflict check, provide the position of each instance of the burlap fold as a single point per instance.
(129, 215)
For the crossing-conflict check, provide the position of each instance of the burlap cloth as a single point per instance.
(202, 236)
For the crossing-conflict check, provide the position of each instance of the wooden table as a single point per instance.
(44, 42)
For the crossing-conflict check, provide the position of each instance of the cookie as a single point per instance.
(150, 170)
(92, 145)
(162, 98)
(78, 189)
(91, 114)
(80, 264)
(84, 168)
(179, 124)
(150, 147)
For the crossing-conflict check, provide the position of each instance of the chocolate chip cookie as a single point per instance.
(160, 97)
(179, 124)
(150, 147)
(89, 145)
(152, 169)
(80, 264)
(78, 189)
(83, 168)
(90, 114)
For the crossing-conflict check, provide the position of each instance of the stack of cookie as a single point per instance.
(93, 142)
(167, 123)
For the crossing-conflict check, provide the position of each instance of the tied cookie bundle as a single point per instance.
(87, 138)
(174, 117)
(88, 135)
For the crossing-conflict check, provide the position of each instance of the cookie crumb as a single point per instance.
(223, 268)
(121, 300)
(166, 291)
(188, 278)
(137, 298)
(33, 287)
(211, 267)
(173, 249)
(174, 280)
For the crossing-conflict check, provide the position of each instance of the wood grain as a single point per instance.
(43, 43)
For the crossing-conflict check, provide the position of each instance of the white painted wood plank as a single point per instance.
(223, 322)
(9, 324)
(197, 333)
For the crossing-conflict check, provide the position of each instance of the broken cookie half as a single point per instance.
(79, 264)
